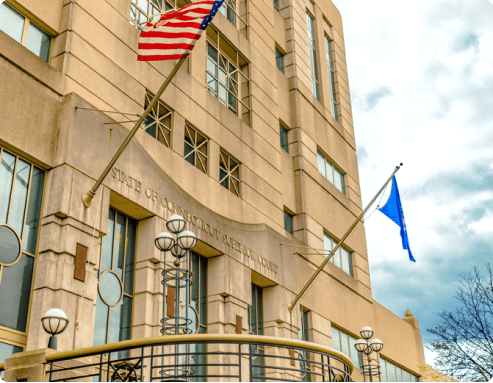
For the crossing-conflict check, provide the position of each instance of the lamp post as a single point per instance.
(177, 277)
(54, 322)
(367, 348)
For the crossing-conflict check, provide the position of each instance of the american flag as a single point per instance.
(175, 34)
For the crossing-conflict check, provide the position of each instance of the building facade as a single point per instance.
(252, 143)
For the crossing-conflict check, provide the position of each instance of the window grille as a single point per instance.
(227, 75)
(196, 148)
(229, 173)
(158, 122)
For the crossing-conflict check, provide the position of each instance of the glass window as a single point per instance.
(329, 171)
(383, 366)
(116, 281)
(303, 335)
(313, 55)
(393, 373)
(288, 222)
(143, 11)
(345, 343)
(279, 60)
(227, 75)
(196, 146)
(198, 303)
(7, 350)
(256, 327)
(21, 193)
(284, 138)
(158, 121)
(330, 66)
(229, 173)
(342, 257)
(14, 24)
(276, 4)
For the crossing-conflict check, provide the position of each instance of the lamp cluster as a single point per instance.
(366, 347)
(185, 240)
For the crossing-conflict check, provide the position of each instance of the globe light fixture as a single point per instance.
(54, 322)
(361, 345)
(176, 224)
(376, 345)
(366, 332)
(164, 241)
(186, 240)
(178, 252)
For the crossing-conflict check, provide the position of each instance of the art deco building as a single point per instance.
(252, 143)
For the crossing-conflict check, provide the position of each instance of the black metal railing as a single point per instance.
(202, 357)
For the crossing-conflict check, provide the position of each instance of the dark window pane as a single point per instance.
(130, 259)
(119, 245)
(15, 291)
(288, 222)
(38, 42)
(212, 52)
(34, 210)
(203, 291)
(108, 243)
(223, 177)
(279, 60)
(125, 318)
(7, 168)
(19, 197)
(276, 4)
(100, 322)
(284, 138)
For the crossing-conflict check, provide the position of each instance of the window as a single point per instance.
(227, 75)
(143, 11)
(345, 343)
(115, 281)
(196, 148)
(283, 132)
(279, 60)
(342, 257)
(303, 335)
(329, 171)
(229, 173)
(288, 222)
(158, 122)
(330, 66)
(21, 194)
(256, 327)
(393, 373)
(25, 32)
(276, 4)
(313, 55)
(231, 10)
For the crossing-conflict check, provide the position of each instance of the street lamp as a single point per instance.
(366, 347)
(54, 322)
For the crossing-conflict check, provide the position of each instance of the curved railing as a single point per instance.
(201, 357)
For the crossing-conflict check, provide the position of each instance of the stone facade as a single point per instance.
(49, 118)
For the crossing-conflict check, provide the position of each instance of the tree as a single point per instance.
(463, 339)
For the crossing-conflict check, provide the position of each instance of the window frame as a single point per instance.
(290, 215)
(334, 110)
(397, 370)
(168, 6)
(195, 151)
(335, 171)
(279, 58)
(312, 46)
(223, 154)
(338, 254)
(352, 350)
(158, 120)
(283, 131)
(25, 32)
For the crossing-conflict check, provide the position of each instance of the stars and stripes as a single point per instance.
(175, 34)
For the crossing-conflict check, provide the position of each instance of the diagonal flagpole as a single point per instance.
(303, 290)
(87, 198)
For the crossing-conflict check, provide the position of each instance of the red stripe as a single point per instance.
(183, 24)
(161, 57)
(166, 46)
(171, 35)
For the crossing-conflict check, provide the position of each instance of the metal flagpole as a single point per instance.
(303, 290)
(87, 198)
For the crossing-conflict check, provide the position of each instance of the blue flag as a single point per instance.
(393, 210)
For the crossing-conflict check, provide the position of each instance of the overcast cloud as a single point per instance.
(421, 78)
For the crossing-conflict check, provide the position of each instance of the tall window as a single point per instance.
(21, 193)
(227, 75)
(143, 11)
(288, 221)
(115, 281)
(279, 60)
(330, 67)
(303, 335)
(256, 327)
(345, 343)
(196, 146)
(25, 32)
(342, 257)
(393, 373)
(229, 173)
(235, 12)
(283, 132)
(329, 171)
(158, 122)
(313, 55)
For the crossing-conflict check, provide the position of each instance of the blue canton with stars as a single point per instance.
(208, 19)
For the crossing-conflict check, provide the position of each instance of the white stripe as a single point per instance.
(152, 52)
(160, 40)
(172, 29)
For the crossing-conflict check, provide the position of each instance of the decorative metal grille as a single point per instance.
(196, 148)
(229, 173)
(158, 122)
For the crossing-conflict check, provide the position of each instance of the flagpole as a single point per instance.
(87, 198)
(303, 290)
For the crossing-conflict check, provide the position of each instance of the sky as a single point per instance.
(421, 82)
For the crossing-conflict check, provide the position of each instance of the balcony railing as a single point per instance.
(201, 357)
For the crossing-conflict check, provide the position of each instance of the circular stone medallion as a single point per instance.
(110, 288)
(10, 245)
